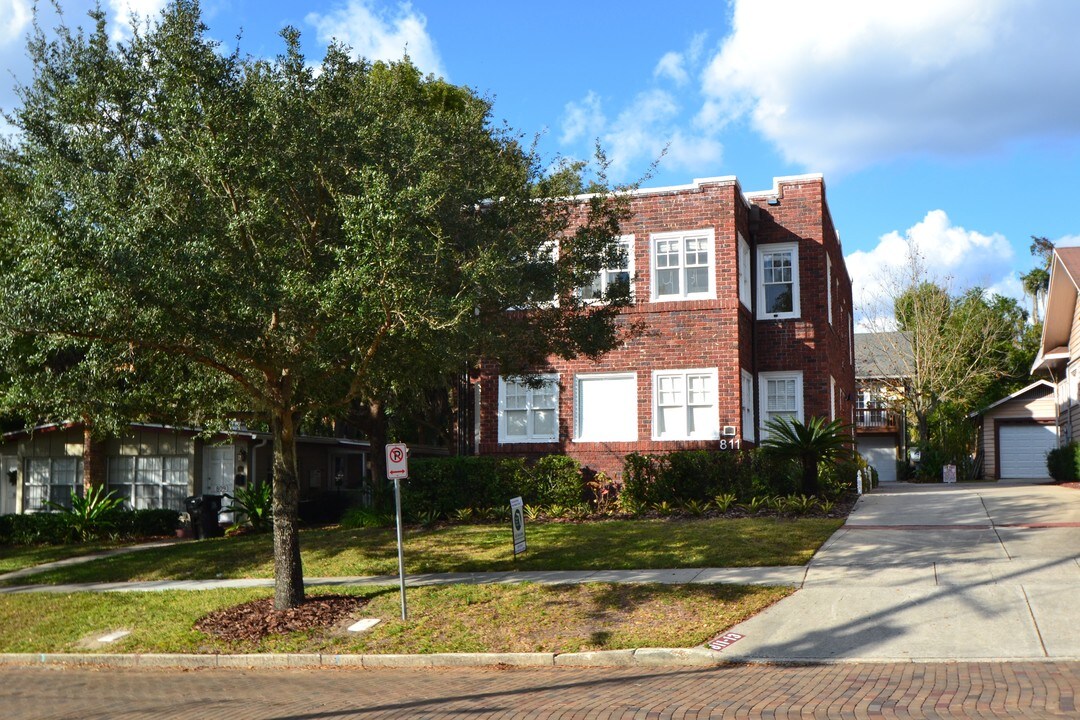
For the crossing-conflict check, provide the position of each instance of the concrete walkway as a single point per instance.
(935, 572)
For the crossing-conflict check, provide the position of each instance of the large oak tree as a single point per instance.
(210, 231)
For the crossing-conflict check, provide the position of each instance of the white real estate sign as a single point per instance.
(517, 521)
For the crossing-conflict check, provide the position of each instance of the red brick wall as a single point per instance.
(718, 333)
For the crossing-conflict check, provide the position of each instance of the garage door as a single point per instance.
(1023, 448)
(880, 453)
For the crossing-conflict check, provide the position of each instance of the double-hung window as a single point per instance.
(605, 407)
(51, 480)
(747, 400)
(744, 272)
(778, 281)
(620, 273)
(528, 414)
(682, 266)
(684, 405)
(150, 481)
(781, 396)
(828, 287)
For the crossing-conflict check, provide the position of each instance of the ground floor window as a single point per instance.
(781, 396)
(150, 482)
(528, 413)
(605, 407)
(684, 405)
(51, 480)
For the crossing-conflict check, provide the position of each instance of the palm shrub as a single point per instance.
(256, 504)
(811, 443)
(88, 516)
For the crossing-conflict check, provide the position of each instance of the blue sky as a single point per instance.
(950, 124)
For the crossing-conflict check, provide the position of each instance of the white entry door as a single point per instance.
(218, 470)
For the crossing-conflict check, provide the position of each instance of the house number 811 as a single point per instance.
(726, 444)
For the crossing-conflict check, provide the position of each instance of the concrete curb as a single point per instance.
(609, 658)
(642, 657)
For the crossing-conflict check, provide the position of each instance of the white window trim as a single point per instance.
(746, 286)
(832, 398)
(711, 264)
(713, 375)
(796, 291)
(746, 402)
(504, 439)
(76, 486)
(577, 405)
(627, 241)
(160, 476)
(763, 410)
(828, 287)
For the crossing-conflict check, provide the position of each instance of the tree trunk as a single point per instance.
(93, 459)
(288, 570)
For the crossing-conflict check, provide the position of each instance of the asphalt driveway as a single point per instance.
(942, 572)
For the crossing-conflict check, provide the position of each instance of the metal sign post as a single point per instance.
(397, 469)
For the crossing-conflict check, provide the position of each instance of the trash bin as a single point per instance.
(203, 511)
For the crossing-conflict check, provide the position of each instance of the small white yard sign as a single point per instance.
(517, 521)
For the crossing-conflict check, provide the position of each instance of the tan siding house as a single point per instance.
(1016, 432)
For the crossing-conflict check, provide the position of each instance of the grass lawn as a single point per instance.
(613, 544)
(457, 618)
(17, 558)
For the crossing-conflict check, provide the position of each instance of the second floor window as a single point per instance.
(778, 281)
(682, 266)
(621, 273)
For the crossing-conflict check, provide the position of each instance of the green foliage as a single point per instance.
(799, 504)
(1063, 463)
(695, 508)
(812, 443)
(88, 517)
(701, 475)
(554, 479)
(724, 502)
(362, 517)
(256, 504)
(56, 528)
(207, 232)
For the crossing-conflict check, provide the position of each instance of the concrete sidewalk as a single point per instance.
(791, 576)
(920, 572)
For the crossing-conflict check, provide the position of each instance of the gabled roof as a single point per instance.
(883, 355)
(1048, 385)
(1060, 305)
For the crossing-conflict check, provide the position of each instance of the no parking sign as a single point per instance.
(397, 461)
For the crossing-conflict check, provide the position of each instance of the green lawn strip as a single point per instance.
(21, 556)
(452, 618)
(605, 545)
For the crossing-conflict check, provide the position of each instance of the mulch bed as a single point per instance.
(255, 620)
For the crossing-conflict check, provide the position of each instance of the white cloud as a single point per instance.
(121, 11)
(840, 84)
(380, 35)
(962, 258)
(673, 64)
(651, 123)
(583, 120)
(15, 17)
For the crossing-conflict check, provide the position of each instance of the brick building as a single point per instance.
(747, 304)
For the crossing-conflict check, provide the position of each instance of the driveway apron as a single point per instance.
(936, 572)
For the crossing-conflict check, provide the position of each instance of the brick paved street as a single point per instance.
(902, 690)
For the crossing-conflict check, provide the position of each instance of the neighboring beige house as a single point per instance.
(157, 466)
(1017, 432)
(882, 369)
(1059, 349)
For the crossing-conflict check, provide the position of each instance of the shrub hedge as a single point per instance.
(700, 475)
(1063, 463)
(49, 528)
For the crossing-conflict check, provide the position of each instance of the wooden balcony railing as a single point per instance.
(880, 419)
